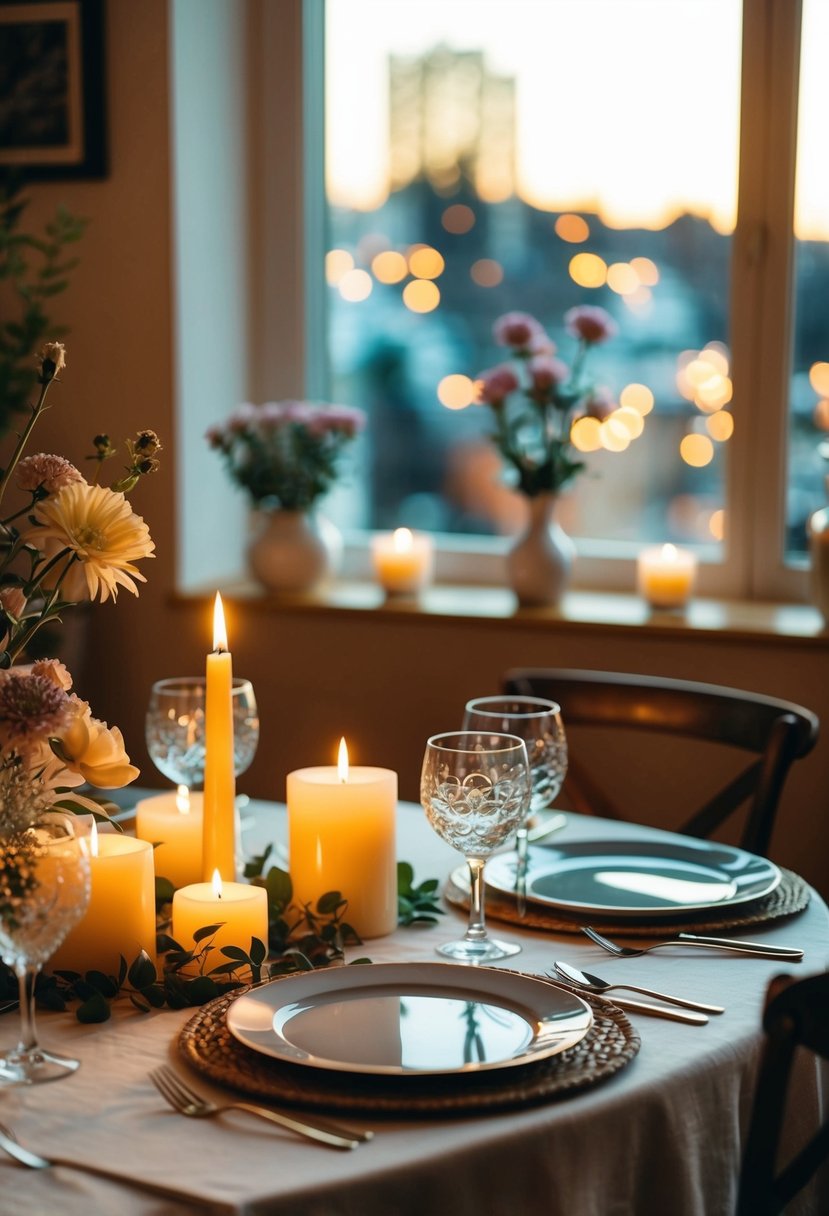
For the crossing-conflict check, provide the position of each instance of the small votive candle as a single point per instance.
(403, 561)
(666, 575)
(173, 822)
(240, 908)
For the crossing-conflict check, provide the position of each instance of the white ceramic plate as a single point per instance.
(409, 1019)
(665, 875)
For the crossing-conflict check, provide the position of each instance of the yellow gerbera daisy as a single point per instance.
(103, 531)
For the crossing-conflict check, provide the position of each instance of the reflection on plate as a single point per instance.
(660, 876)
(404, 1019)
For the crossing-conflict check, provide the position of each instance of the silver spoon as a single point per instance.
(592, 983)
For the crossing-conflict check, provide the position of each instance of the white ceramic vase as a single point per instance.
(293, 551)
(540, 562)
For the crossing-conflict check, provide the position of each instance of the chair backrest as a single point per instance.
(775, 732)
(796, 1015)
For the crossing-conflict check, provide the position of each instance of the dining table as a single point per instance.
(663, 1135)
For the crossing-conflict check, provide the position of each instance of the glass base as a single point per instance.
(34, 1067)
(487, 951)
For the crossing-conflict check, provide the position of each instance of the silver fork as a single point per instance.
(33, 1161)
(692, 939)
(187, 1102)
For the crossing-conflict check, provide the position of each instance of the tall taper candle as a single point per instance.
(219, 840)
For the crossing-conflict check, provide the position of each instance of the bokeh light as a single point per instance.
(456, 392)
(631, 420)
(821, 414)
(389, 267)
(425, 262)
(588, 270)
(337, 263)
(355, 285)
(622, 278)
(614, 435)
(458, 219)
(421, 295)
(585, 434)
(637, 397)
(819, 378)
(716, 524)
(720, 426)
(572, 228)
(646, 270)
(696, 450)
(486, 272)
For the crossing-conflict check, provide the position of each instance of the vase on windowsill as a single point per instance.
(293, 552)
(540, 562)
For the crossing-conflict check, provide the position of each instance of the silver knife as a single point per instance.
(656, 1011)
(730, 943)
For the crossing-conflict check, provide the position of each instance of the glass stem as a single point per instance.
(26, 976)
(477, 924)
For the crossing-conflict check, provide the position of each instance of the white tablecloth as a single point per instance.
(662, 1137)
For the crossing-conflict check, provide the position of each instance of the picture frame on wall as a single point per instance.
(52, 89)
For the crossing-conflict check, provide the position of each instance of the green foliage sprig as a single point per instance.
(299, 939)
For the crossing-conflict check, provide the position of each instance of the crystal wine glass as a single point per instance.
(538, 722)
(44, 892)
(475, 790)
(174, 728)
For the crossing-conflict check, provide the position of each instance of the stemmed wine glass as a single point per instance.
(44, 892)
(475, 790)
(174, 728)
(538, 722)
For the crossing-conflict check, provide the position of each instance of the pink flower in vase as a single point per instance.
(497, 384)
(590, 323)
(517, 329)
(547, 372)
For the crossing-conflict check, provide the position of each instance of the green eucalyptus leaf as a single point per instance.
(207, 931)
(329, 903)
(164, 891)
(279, 887)
(258, 951)
(201, 990)
(142, 971)
(94, 1009)
(235, 952)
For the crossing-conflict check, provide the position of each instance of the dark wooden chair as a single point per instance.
(796, 1016)
(776, 733)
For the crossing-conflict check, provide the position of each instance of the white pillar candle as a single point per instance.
(120, 919)
(403, 561)
(173, 822)
(241, 909)
(341, 825)
(666, 575)
(219, 839)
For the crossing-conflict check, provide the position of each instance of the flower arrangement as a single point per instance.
(71, 540)
(285, 453)
(533, 433)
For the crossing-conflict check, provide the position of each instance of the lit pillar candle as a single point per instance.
(219, 845)
(341, 825)
(402, 561)
(173, 822)
(241, 909)
(665, 576)
(120, 919)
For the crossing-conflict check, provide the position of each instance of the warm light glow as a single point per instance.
(486, 272)
(696, 450)
(716, 353)
(402, 540)
(458, 219)
(637, 397)
(720, 426)
(714, 393)
(821, 414)
(342, 758)
(588, 270)
(819, 378)
(182, 800)
(93, 840)
(337, 263)
(572, 228)
(630, 419)
(389, 266)
(457, 392)
(614, 435)
(585, 434)
(716, 524)
(426, 263)
(219, 630)
(421, 295)
(622, 278)
(217, 884)
(647, 271)
(355, 285)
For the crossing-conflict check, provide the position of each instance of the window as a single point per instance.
(483, 158)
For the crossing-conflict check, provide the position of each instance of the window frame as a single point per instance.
(293, 356)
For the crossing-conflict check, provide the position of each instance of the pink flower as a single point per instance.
(516, 329)
(590, 323)
(547, 372)
(32, 707)
(497, 384)
(541, 345)
(599, 404)
(49, 473)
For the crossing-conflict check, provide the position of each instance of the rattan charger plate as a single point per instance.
(790, 897)
(208, 1046)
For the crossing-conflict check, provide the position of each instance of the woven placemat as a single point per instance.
(790, 897)
(208, 1046)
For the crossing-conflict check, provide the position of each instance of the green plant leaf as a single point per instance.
(207, 931)
(95, 1009)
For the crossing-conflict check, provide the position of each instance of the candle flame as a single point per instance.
(93, 839)
(402, 540)
(669, 553)
(219, 630)
(217, 884)
(342, 762)
(183, 800)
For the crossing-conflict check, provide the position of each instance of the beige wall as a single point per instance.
(384, 681)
